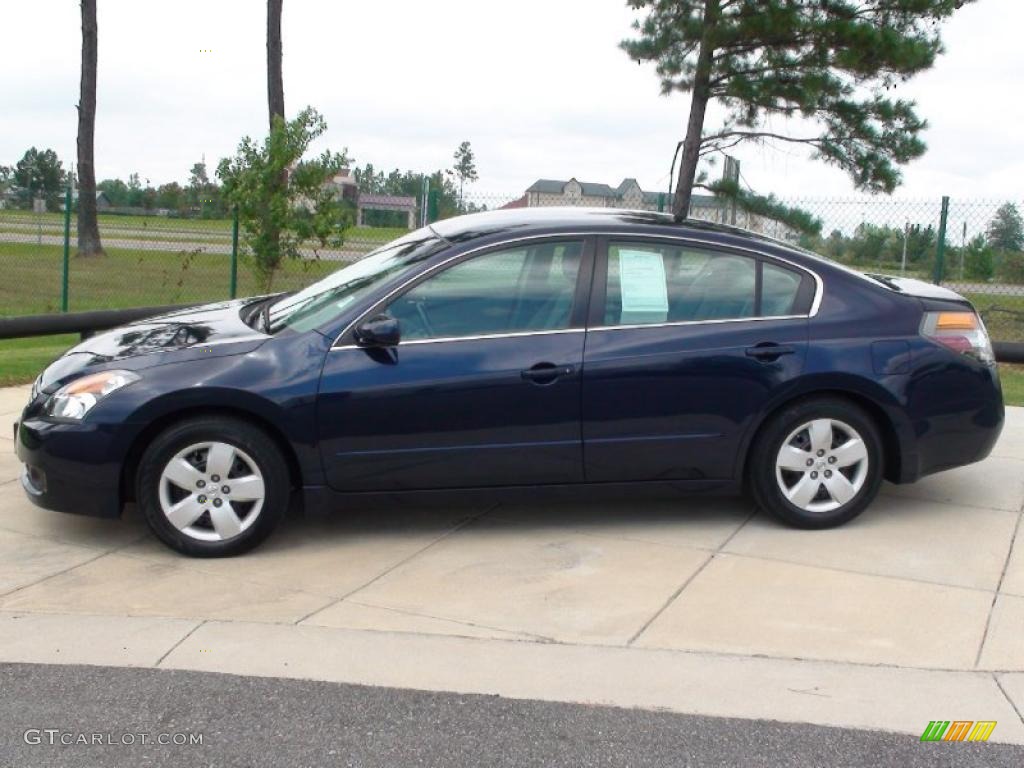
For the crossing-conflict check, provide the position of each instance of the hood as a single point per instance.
(917, 288)
(209, 330)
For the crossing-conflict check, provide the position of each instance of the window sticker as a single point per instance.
(642, 281)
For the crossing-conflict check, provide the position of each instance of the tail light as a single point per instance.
(962, 332)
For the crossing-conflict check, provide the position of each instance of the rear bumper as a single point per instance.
(68, 467)
(961, 422)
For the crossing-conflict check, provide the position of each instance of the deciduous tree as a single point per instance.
(40, 174)
(278, 218)
(1006, 230)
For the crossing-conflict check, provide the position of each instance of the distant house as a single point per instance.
(347, 188)
(629, 195)
(102, 201)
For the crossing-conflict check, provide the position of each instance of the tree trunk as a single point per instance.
(275, 78)
(88, 228)
(695, 123)
(275, 104)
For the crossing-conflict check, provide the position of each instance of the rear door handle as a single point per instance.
(769, 351)
(546, 373)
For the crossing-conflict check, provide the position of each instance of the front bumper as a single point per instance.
(69, 467)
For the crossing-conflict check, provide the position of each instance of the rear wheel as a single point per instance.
(817, 463)
(212, 487)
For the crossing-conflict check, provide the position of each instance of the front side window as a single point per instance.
(514, 290)
(327, 298)
(654, 283)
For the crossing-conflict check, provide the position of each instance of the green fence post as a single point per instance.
(67, 251)
(433, 203)
(234, 252)
(661, 202)
(940, 247)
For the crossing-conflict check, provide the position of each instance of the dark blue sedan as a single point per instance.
(549, 347)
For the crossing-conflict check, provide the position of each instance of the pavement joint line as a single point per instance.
(881, 665)
(999, 587)
(522, 634)
(852, 572)
(948, 502)
(444, 535)
(980, 673)
(672, 598)
(999, 684)
(180, 640)
(190, 564)
(69, 543)
(61, 572)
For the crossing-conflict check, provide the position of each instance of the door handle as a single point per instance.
(546, 373)
(769, 351)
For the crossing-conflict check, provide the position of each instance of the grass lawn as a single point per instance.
(204, 230)
(22, 359)
(130, 278)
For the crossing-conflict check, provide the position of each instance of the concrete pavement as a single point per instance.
(913, 612)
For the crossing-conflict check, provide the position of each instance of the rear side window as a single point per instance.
(653, 283)
(780, 288)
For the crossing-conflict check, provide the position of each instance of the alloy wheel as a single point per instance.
(211, 491)
(822, 465)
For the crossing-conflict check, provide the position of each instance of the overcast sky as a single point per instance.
(539, 87)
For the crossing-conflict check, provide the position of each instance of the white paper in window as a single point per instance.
(642, 280)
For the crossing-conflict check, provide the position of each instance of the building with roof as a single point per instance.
(629, 196)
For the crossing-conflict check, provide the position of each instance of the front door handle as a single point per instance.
(547, 373)
(769, 351)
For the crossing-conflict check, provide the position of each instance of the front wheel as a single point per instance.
(212, 487)
(817, 463)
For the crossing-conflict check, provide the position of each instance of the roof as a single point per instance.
(541, 220)
(395, 202)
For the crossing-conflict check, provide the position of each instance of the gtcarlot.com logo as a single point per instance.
(55, 737)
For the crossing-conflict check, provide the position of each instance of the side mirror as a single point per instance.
(379, 331)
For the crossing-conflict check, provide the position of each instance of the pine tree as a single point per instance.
(830, 62)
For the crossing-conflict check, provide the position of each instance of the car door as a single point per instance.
(484, 387)
(686, 345)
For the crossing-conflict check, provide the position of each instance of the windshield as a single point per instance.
(326, 298)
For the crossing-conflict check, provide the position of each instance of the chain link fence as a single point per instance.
(161, 260)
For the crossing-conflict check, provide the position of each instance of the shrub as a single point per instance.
(1011, 267)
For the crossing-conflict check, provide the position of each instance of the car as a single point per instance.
(520, 349)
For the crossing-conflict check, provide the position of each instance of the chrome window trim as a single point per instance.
(695, 322)
(514, 335)
(819, 286)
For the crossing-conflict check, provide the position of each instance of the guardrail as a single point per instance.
(88, 323)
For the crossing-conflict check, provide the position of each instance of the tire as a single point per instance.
(198, 508)
(844, 447)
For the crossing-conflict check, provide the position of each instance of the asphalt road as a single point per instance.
(259, 721)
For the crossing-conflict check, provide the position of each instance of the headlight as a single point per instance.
(74, 400)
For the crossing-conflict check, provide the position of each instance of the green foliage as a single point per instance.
(979, 261)
(832, 63)
(1011, 267)
(40, 174)
(465, 166)
(767, 206)
(397, 182)
(282, 199)
(1006, 230)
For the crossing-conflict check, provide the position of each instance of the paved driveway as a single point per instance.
(925, 591)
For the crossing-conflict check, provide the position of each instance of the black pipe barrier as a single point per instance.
(87, 323)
